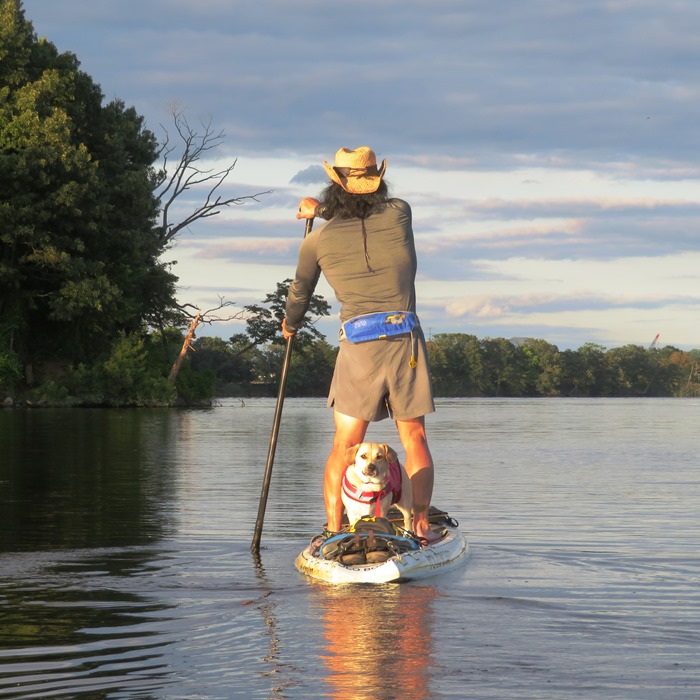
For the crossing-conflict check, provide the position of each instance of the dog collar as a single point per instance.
(392, 486)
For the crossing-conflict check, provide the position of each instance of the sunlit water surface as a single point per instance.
(126, 571)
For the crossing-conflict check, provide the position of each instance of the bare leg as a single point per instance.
(419, 467)
(348, 432)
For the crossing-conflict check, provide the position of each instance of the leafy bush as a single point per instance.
(128, 376)
(195, 387)
(10, 370)
(131, 379)
(52, 394)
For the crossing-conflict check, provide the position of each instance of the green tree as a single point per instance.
(311, 369)
(544, 367)
(132, 373)
(685, 368)
(224, 359)
(584, 371)
(264, 323)
(505, 368)
(79, 256)
(455, 364)
(689, 370)
(666, 374)
(632, 369)
(256, 357)
(10, 370)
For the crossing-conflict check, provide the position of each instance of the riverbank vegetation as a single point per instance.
(134, 372)
(464, 365)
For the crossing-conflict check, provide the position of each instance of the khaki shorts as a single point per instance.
(373, 380)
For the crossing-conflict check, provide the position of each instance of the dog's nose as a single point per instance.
(371, 470)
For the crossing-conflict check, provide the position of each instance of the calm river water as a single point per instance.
(126, 572)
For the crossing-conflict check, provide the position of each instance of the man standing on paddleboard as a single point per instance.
(367, 253)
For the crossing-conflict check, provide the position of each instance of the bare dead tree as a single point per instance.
(181, 170)
(178, 176)
(198, 317)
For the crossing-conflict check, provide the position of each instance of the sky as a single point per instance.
(548, 148)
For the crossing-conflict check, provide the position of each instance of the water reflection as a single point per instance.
(379, 641)
(70, 626)
(275, 670)
(89, 478)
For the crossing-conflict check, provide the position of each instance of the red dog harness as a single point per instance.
(392, 486)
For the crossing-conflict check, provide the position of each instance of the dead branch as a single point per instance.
(211, 316)
(197, 318)
(186, 174)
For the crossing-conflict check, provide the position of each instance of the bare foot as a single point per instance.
(423, 530)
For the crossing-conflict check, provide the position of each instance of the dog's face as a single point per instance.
(370, 460)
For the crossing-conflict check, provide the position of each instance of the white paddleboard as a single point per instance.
(446, 554)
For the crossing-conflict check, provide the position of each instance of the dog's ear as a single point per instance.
(350, 454)
(391, 456)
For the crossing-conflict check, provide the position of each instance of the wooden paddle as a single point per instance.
(255, 546)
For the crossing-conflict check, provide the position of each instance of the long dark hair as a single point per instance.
(338, 203)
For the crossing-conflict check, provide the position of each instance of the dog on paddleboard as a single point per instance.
(373, 481)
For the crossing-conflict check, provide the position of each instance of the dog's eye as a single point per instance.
(363, 455)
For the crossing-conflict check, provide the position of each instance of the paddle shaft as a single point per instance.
(255, 545)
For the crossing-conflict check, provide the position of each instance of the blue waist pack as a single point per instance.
(379, 325)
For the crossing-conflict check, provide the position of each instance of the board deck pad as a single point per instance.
(436, 516)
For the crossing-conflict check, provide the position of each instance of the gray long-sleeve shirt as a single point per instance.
(337, 250)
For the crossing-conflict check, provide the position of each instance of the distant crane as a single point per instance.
(653, 342)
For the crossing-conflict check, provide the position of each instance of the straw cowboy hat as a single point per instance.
(356, 171)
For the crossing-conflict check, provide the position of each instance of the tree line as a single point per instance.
(464, 365)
